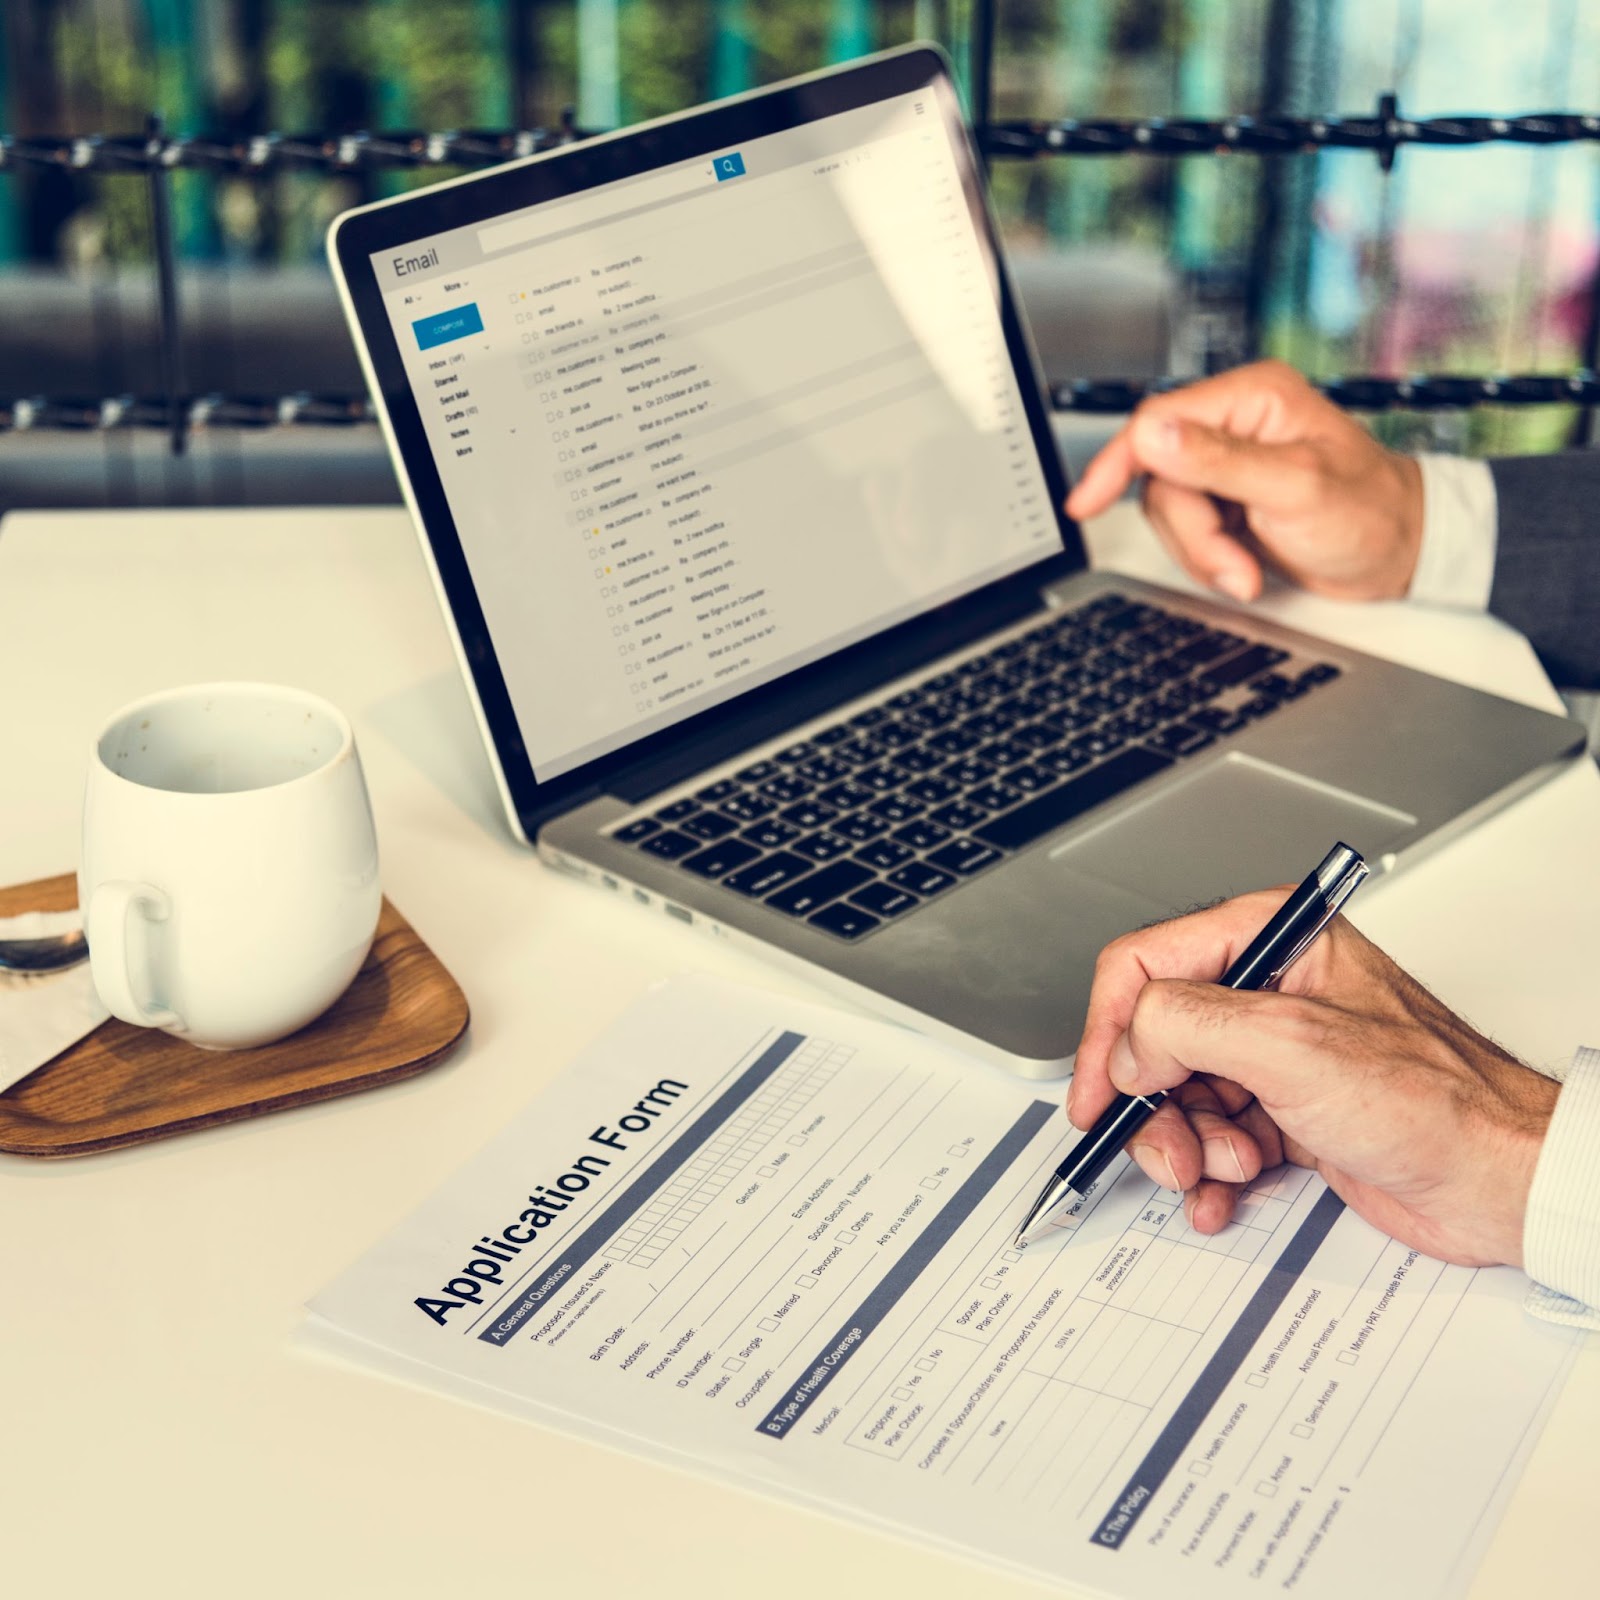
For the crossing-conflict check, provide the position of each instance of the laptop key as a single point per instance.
(861, 826)
(884, 900)
(921, 834)
(970, 771)
(960, 815)
(823, 846)
(845, 920)
(721, 857)
(994, 796)
(823, 769)
(786, 789)
(918, 760)
(1072, 798)
(635, 831)
(869, 718)
(846, 796)
(808, 814)
(1322, 672)
(677, 811)
(885, 854)
(759, 772)
(767, 875)
(810, 894)
(772, 834)
(897, 808)
(882, 780)
(720, 790)
(921, 879)
(1181, 739)
(1030, 780)
(710, 825)
(747, 807)
(671, 844)
(796, 753)
(1249, 663)
(829, 737)
(933, 791)
(965, 856)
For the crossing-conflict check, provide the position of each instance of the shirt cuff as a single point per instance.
(1561, 1236)
(1455, 566)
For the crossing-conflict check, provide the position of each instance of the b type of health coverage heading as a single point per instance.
(486, 1265)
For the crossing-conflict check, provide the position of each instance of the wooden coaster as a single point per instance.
(122, 1085)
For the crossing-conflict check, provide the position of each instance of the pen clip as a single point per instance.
(1334, 895)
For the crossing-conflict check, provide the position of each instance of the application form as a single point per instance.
(775, 1243)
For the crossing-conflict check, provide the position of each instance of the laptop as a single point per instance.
(732, 463)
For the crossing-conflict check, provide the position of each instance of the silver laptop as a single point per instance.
(733, 466)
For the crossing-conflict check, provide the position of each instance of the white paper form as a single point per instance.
(775, 1243)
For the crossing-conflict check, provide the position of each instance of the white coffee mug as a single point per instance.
(229, 879)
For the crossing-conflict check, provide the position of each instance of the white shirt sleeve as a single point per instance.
(1561, 1236)
(1455, 566)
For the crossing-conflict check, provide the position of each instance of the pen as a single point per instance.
(1270, 954)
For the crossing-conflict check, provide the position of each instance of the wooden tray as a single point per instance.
(122, 1085)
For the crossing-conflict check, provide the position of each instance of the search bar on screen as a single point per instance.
(560, 215)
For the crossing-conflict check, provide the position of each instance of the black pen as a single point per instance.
(1271, 953)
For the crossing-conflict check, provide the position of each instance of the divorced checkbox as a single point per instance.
(806, 1280)
(1302, 1430)
(768, 1324)
(1257, 1380)
(902, 1394)
(732, 1364)
(930, 1183)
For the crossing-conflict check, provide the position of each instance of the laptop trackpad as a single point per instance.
(1227, 827)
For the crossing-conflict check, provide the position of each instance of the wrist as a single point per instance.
(1408, 500)
(1520, 1114)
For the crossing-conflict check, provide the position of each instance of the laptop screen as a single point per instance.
(701, 427)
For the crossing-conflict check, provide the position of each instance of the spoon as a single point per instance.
(43, 955)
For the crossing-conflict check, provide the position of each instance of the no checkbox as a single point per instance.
(926, 1365)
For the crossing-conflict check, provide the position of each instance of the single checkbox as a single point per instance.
(732, 1364)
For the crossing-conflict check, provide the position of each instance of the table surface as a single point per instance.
(162, 1434)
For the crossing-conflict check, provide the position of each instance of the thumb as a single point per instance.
(1274, 477)
(1270, 1043)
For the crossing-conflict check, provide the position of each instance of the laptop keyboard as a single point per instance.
(869, 817)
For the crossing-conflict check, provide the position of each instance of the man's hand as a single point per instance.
(1420, 1124)
(1255, 465)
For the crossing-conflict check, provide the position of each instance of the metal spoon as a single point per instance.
(43, 955)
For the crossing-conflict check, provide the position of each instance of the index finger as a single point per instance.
(1199, 946)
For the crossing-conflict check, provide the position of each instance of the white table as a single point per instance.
(161, 1437)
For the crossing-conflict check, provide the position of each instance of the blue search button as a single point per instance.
(443, 326)
(729, 166)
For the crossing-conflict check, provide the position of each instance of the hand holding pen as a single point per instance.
(1426, 1128)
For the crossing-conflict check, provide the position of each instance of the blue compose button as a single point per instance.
(443, 326)
(729, 166)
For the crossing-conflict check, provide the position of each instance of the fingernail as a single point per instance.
(1166, 435)
(1232, 582)
(1072, 1100)
(1172, 1177)
(1224, 1156)
(1189, 1202)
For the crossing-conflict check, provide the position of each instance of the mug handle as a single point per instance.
(107, 929)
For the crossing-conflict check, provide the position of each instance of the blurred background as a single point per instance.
(1475, 260)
